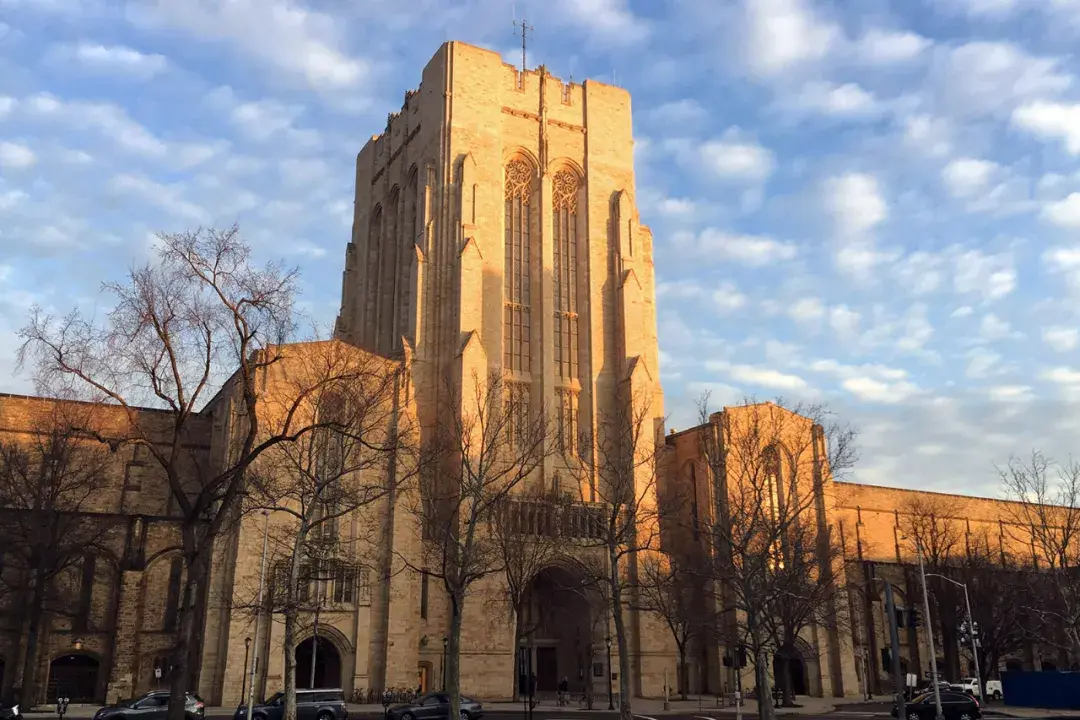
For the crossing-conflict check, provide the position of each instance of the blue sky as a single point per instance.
(872, 204)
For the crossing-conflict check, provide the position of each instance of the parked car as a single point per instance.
(954, 706)
(971, 687)
(435, 706)
(151, 706)
(318, 704)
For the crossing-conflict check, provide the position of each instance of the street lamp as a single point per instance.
(77, 644)
(243, 686)
(445, 643)
(610, 704)
(971, 630)
(929, 633)
(894, 643)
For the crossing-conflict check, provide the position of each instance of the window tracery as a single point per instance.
(517, 299)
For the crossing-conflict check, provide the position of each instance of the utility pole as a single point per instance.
(929, 634)
(258, 616)
(972, 631)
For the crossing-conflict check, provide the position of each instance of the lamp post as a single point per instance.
(971, 630)
(243, 686)
(610, 704)
(929, 634)
(445, 643)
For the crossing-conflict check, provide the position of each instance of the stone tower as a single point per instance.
(495, 231)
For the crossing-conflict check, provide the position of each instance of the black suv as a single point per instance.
(151, 706)
(321, 704)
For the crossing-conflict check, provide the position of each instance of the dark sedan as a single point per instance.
(151, 706)
(954, 706)
(436, 706)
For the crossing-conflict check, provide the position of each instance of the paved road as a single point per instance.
(604, 714)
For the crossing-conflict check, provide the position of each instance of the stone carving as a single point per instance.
(564, 191)
(519, 177)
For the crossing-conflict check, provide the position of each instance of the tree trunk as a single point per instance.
(197, 554)
(453, 656)
(786, 681)
(291, 612)
(761, 674)
(684, 674)
(35, 612)
(518, 669)
(625, 709)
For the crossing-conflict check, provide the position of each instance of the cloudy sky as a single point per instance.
(873, 204)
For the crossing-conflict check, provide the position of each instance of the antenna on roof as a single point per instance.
(571, 72)
(526, 28)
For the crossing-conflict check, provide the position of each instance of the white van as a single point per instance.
(971, 686)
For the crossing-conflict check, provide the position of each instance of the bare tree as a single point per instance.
(200, 318)
(771, 567)
(358, 456)
(50, 481)
(931, 524)
(1046, 519)
(1002, 594)
(528, 532)
(618, 467)
(488, 444)
(665, 589)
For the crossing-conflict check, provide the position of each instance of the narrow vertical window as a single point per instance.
(423, 594)
(374, 258)
(86, 593)
(408, 242)
(389, 301)
(517, 355)
(564, 204)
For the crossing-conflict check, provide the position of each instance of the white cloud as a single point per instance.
(1065, 376)
(855, 202)
(1064, 259)
(280, 33)
(167, 197)
(609, 21)
(1061, 339)
(870, 383)
(844, 321)
(1010, 393)
(730, 158)
(116, 59)
(919, 272)
(929, 134)
(752, 250)
(727, 299)
(994, 328)
(7, 104)
(991, 77)
(759, 376)
(962, 312)
(1065, 212)
(965, 177)
(841, 101)
(806, 309)
(687, 111)
(1051, 121)
(16, 157)
(980, 362)
(886, 47)
(783, 34)
(990, 276)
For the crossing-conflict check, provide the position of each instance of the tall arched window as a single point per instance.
(564, 199)
(517, 321)
(773, 474)
(564, 224)
(374, 256)
(388, 295)
(407, 243)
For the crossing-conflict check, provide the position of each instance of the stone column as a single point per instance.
(126, 649)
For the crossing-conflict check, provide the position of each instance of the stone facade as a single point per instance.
(495, 231)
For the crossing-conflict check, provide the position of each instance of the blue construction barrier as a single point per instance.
(1052, 690)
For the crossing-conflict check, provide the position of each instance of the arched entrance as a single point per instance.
(74, 677)
(788, 667)
(327, 663)
(556, 632)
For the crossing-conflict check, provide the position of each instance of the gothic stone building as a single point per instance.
(495, 231)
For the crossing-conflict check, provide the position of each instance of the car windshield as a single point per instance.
(921, 698)
(273, 698)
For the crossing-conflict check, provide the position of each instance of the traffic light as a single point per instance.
(913, 618)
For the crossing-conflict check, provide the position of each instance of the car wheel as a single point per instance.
(912, 715)
(258, 716)
(997, 694)
(464, 715)
(326, 716)
(407, 716)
